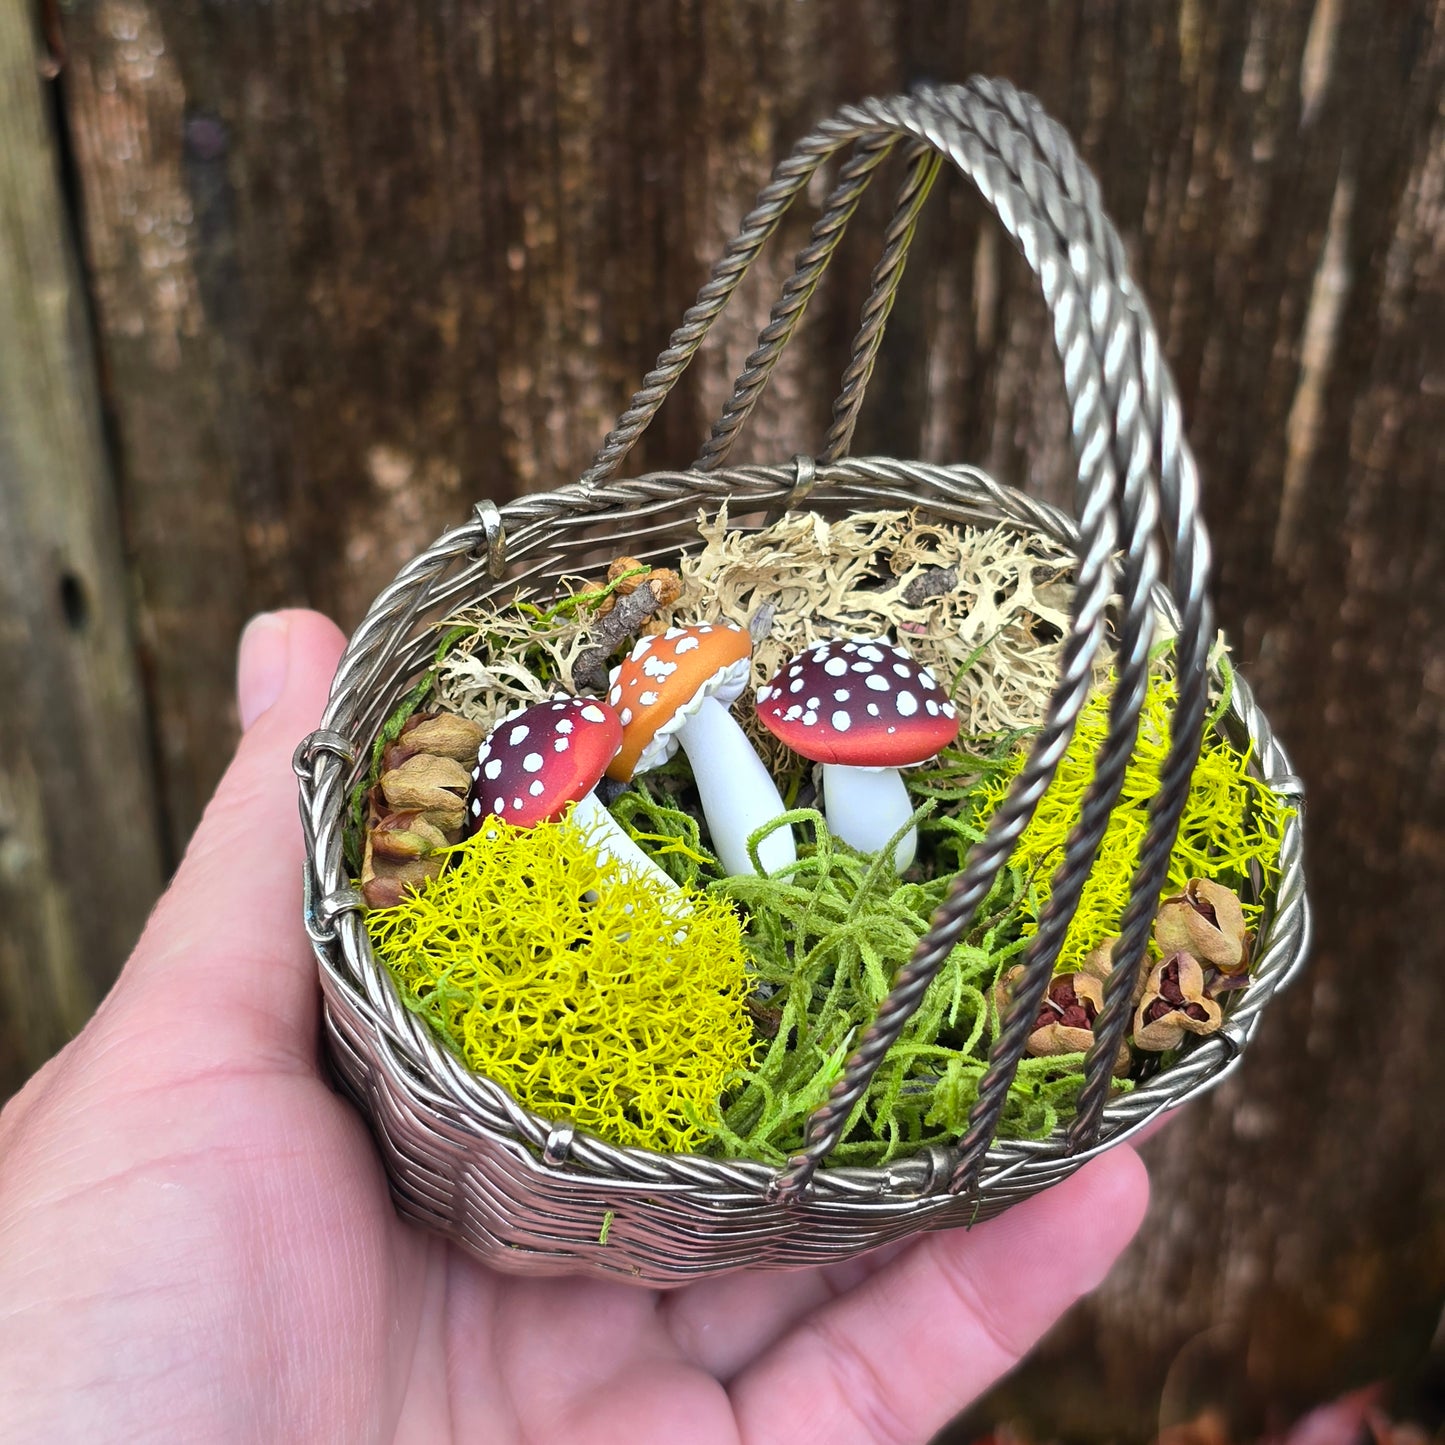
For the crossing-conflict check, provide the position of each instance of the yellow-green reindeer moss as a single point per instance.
(1230, 832)
(587, 992)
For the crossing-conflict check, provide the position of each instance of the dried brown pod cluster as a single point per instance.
(418, 805)
(621, 615)
(1202, 936)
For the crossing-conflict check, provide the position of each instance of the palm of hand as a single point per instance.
(196, 1240)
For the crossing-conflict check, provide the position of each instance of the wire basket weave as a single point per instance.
(532, 1194)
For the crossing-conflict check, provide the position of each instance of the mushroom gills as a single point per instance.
(865, 807)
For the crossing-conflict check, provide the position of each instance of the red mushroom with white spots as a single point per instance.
(863, 708)
(540, 760)
(675, 690)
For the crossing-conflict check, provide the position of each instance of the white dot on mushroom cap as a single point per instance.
(644, 646)
(793, 713)
(901, 652)
(499, 805)
(687, 644)
(850, 647)
(517, 735)
(764, 693)
(872, 709)
(932, 707)
(615, 696)
(797, 685)
(518, 804)
(815, 702)
(871, 653)
(902, 669)
(648, 699)
(892, 730)
(927, 678)
(559, 745)
(836, 666)
(656, 667)
(948, 709)
(532, 763)
(862, 667)
(671, 633)
(565, 726)
(537, 788)
(879, 683)
(625, 716)
(809, 718)
(841, 721)
(907, 704)
(841, 695)
(795, 671)
(593, 713)
(476, 807)
(493, 769)
(706, 627)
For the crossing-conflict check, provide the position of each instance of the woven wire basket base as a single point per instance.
(528, 1194)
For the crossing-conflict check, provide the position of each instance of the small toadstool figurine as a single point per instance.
(863, 709)
(538, 760)
(675, 690)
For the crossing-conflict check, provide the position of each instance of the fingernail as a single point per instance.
(261, 665)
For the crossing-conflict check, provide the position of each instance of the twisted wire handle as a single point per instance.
(1137, 488)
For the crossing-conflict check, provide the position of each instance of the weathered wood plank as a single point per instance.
(80, 860)
(354, 268)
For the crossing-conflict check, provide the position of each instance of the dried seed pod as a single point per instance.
(1100, 964)
(401, 836)
(432, 786)
(442, 734)
(1207, 921)
(1065, 1022)
(620, 567)
(1174, 1004)
(666, 585)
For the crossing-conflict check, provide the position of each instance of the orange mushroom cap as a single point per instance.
(663, 680)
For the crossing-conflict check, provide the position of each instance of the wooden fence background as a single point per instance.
(284, 288)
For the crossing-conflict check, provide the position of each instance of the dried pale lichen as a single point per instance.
(995, 634)
(1230, 832)
(598, 1001)
(513, 655)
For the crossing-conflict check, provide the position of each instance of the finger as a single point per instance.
(720, 1325)
(898, 1357)
(224, 961)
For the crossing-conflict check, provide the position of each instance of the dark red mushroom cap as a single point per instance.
(542, 758)
(861, 703)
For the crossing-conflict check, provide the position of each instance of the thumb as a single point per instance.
(224, 961)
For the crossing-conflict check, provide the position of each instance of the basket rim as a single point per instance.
(417, 1064)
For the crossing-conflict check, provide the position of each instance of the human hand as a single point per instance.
(197, 1244)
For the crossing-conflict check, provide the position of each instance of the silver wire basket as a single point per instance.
(533, 1194)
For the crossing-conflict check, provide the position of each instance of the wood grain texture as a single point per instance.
(357, 265)
(80, 859)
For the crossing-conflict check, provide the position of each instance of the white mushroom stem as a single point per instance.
(738, 796)
(865, 807)
(610, 840)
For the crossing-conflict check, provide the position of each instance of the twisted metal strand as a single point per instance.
(854, 178)
(1095, 434)
(789, 178)
(923, 168)
(1054, 164)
